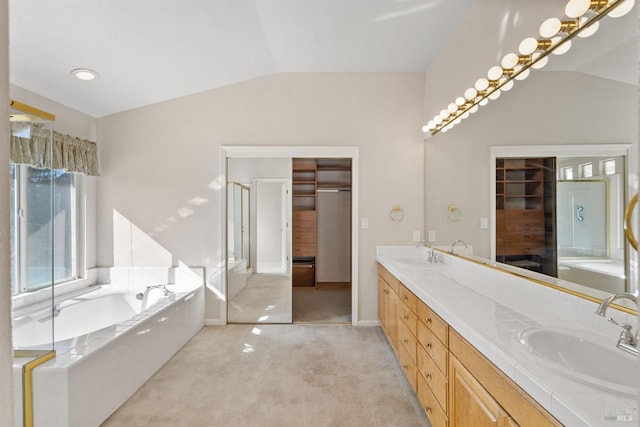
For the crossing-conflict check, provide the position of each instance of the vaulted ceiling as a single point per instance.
(147, 51)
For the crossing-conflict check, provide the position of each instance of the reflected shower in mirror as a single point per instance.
(258, 248)
(561, 215)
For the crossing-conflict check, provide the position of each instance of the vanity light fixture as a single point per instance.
(581, 20)
(84, 74)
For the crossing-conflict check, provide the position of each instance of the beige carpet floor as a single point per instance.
(265, 299)
(319, 305)
(277, 376)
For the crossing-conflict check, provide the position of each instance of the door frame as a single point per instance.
(285, 151)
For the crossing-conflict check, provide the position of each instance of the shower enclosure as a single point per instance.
(239, 230)
(33, 257)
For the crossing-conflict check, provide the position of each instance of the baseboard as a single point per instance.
(369, 323)
(214, 322)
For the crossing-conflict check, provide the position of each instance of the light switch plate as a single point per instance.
(484, 223)
(364, 223)
(432, 235)
(416, 236)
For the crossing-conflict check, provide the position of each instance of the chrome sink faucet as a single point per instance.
(453, 246)
(432, 256)
(628, 341)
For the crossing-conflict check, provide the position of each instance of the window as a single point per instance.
(609, 166)
(566, 173)
(43, 227)
(586, 170)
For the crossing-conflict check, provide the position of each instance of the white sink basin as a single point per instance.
(584, 357)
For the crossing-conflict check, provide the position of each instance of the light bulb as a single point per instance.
(482, 84)
(495, 73)
(523, 75)
(444, 113)
(564, 48)
(452, 108)
(494, 95)
(509, 61)
(474, 109)
(540, 63)
(457, 121)
(621, 10)
(528, 46)
(438, 119)
(460, 101)
(550, 27)
(465, 115)
(577, 8)
(431, 124)
(444, 129)
(484, 102)
(425, 129)
(507, 86)
(590, 30)
(470, 93)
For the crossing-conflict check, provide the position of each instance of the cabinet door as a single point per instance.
(469, 403)
(382, 302)
(393, 316)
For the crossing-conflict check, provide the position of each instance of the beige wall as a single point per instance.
(550, 107)
(157, 160)
(6, 351)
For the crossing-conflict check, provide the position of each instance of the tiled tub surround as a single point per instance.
(95, 372)
(490, 308)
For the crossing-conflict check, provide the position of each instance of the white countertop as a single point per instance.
(489, 308)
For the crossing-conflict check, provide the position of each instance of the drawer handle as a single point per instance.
(406, 341)
(429, 376)
(428, 409)
(405, 366)
(406, 298)
(428, 319)
(405, 317)
(428, 345)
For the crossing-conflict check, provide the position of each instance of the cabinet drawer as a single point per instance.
(430, 405)
(433, 347)
(409, 318)
(389, 278)
(408, 366)
(408, 298)
(407, 340)
(435, 379)
(438, 326)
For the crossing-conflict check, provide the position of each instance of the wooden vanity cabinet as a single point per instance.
(471, 404)
(388, 302)
(456, 385)
(467, 363)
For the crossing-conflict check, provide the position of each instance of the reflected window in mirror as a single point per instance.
(586, 170)
(609, 167)
(566, 173)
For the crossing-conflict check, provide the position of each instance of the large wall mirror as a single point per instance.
(582, 108)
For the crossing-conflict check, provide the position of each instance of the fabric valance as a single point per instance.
(69, 153)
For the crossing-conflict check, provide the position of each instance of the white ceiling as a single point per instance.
(148, 51)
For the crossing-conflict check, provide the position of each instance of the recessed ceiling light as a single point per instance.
(84, 74)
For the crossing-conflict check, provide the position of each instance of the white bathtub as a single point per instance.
(108, 343)
(604, 274)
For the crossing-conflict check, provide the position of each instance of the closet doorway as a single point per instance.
(341, 220)
(321, 192)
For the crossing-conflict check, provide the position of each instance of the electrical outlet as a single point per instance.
(416, 236)
(432, 235)
(484, 223)
(364, 223)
